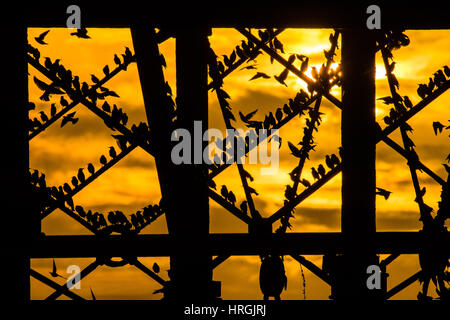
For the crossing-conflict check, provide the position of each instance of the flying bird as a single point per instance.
(246, 118)
(69, 118)
(294, 150)
(41, 37)
(437, 127)
(259, 75)
(250, 67)
(283, 75)
(54, 272)
(81, 33)
(383, 192)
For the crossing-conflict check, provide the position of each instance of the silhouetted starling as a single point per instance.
(81, 33)
(91, 168)
(40, 38)
(112, 152)
(81, 176)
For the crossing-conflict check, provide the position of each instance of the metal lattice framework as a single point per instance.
(345, 259)
(319, 87)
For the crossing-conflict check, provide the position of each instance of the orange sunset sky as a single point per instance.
(133, 184)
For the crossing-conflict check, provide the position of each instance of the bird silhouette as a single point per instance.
(437, 127)
(121, 141)
(69, 118)
(44, 117)
(246, 118)
(54, 272)
(304, 65)
(106, 70)
(231, 197)
(387, 100)
(117, 60)
(80, 211)
(91, 168)
(341, 152)
(243, 206)
(81, 176)
(321, 170)
(74, 181)
(287, 110)
(106, 107)
(112, 152)
(103, 160)
(407, 102)
(224, 191)
(315, 174)
(40, 39)
(447, 71)
(294, 150)
(259, 75)
(212, 184)
(81, 33)
(279, 115)
(250, 67)
(251, 190)
(329, 162)
(305, 182)
(431, 85)
(335, 160)
(94, 79)
(422, 91)
(67, 188)
(52, 109)
(282, 77)
(383, 192)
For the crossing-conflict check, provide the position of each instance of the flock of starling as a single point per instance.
(246, 51)
(118, 222)
(63, 80)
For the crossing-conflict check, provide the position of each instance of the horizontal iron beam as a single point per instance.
(229, 244)
(301, 14)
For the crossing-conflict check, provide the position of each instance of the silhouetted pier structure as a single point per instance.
(189, 243)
